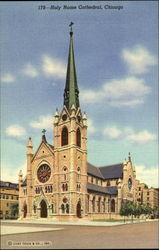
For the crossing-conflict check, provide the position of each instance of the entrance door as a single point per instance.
(25, 210)
(79, 209)
(43, 212)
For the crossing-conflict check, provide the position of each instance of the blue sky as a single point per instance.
(116, 62)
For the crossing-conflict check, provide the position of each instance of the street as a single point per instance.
(137, 235)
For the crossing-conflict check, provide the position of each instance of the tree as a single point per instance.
(125, 209)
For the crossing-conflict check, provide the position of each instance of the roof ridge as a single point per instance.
(116, 164)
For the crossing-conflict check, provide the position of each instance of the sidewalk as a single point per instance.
(73, 223)
(6, 230)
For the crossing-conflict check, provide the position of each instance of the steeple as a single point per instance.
(71, 92)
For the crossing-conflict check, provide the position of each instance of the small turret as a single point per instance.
(129, 157)
(85, 119)
(56, 116)
(30, 146)
(20, 177)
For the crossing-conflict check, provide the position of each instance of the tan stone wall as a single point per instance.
(7, 197)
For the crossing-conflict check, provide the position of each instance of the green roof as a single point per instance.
(71, 92)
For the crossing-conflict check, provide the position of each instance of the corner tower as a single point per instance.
(70, 147)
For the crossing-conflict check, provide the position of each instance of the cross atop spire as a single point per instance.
(43, 136)
(71, 92)
(70, 25)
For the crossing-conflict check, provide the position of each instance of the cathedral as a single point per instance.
(60, 183)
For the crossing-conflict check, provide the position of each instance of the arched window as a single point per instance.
(63, 208)
(99, 199)
(52, 208)
(64, 137)
(78, 137)
(34, 207)
(108, 205)
(93, 204)
(113, 205)
(88, 203)
(65, 173)
(63, 187)
(66, 187)
(108, 183)
(104, 205)
(67, 208)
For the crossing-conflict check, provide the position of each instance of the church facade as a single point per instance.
(60, 183)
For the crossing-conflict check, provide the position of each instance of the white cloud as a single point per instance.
(141, 137)
(15, 131)
(112, 132)
(128, 91)
(45, 122)
(7, 78)
(138, 59)
(30, 70)
(148, 176)
(53, 67)
(128, 103)
(91, 96)
(91, 127)
(127, 87)
(128, 134)
(7, 173)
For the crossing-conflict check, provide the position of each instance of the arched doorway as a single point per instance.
(25, 210)
(43, 209)
(79, 209)
(113, 205)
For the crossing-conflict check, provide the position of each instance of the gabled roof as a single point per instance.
(112, 171)
(96, 188)
(107, 172)
(95, 171)
(113, 190)
(104, 190)
(49, 146)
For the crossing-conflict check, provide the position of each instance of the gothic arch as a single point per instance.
(113, 205)
(64, 136)
(93, 204)
(78, 209)
(24, 210)
(78, 137)
(43, 209)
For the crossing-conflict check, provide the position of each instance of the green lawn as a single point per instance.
(112, 220)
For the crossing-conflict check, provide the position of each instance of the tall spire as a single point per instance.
(71, 92)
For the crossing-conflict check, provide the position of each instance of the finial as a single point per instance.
(30, 145)
(20, 172)
(70, 25)
(129, 157)
(43, 136)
